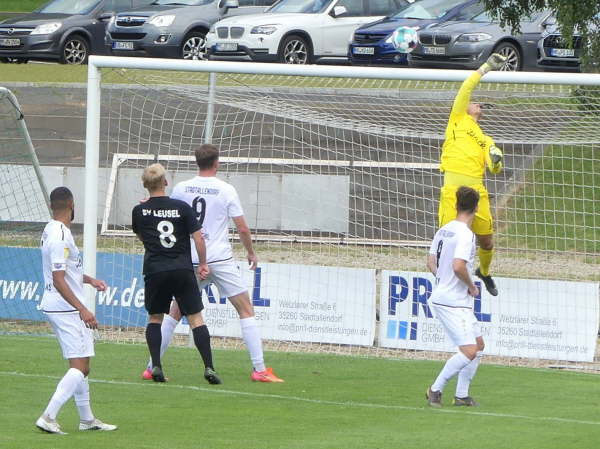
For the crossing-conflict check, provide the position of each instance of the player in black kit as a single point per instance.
(164, 226)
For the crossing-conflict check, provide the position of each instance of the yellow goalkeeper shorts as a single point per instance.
(483, 223)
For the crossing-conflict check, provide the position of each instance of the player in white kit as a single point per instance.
(215, 202)
(71, 320)
(450, 260)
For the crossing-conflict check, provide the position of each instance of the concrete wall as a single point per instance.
(277, 202)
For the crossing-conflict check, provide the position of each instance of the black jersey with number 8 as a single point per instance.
(164, 226)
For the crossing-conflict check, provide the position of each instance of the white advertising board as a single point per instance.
(541, 319)
(301, 303)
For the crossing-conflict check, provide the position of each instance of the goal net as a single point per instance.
(337, 169)
(23, 213)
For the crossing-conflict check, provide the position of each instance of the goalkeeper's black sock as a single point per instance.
(202, 342)
(154, 339)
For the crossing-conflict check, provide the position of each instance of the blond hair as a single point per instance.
(154, 177)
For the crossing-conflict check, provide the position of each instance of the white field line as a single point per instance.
(349, 404)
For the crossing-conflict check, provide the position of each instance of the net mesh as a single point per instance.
(343, 173)
(23, 212)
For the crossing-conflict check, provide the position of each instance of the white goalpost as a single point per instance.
(337, 170)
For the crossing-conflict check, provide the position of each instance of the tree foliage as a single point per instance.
(573, 16)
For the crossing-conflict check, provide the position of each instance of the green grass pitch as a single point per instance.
(326, 402)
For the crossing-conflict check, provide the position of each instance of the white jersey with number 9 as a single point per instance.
(214, 202)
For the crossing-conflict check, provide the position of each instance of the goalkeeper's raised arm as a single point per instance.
(466, 153)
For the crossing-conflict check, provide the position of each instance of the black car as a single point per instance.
(67, 31)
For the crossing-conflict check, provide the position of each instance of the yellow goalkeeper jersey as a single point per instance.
(466, 148)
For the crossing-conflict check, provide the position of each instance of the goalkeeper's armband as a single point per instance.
(496, 158)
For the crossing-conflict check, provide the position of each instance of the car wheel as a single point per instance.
(295, 50)
(514, 61)
(194, 46)
(75, 51)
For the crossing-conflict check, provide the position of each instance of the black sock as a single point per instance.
(154, 340)
(202, 341)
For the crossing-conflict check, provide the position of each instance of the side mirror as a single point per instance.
(338, 11)
(105, 16)
(550, 21)
(229, 4)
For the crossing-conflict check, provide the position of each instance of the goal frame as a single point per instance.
(20, 119)
(97, 63)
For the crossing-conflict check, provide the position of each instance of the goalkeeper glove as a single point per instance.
(494, 62)
(496, 158)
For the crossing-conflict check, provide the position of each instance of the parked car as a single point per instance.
(555, 53)
(172, 28)
(371, 44)
(67, 31)
(468, 44)
(296, 31)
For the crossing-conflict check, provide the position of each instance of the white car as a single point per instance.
(296, 31)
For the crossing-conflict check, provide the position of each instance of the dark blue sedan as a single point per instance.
(371, 44)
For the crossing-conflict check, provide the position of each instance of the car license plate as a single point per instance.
(562, 52)
(227, 46)
(122, 45)
(10, 42)
(434, 50)
(363, 50)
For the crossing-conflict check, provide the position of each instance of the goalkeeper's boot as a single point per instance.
(465, 402)
(490, 285)
(157, 374)
(265, 376)
(96, 424)
(211, 376)
(48, 425)
(147, 374)
(434, 398)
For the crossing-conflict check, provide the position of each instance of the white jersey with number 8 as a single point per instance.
(452, 241)
(214, 203)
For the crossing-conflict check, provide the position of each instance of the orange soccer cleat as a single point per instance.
(265, 376)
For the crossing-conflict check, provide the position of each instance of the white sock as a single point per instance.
(167, 329)
(251, 335)
(82, 400)
(454, 364)
(64, 390)
(466, 375)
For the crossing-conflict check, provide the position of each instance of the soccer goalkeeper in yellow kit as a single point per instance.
(466, 152)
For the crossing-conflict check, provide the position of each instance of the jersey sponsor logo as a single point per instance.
(161, 213)
(480, 142)
(202, 190)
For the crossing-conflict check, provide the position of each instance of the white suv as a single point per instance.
(296, 31)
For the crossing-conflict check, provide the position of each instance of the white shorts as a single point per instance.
(75, 339)
(460, 324)
(226, 276)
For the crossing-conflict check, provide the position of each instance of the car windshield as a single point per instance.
(69, 7)
(302, 6)
(427, 9)
(486, 17)
(182, 2)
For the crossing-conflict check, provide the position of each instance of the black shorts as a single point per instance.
(160, 288)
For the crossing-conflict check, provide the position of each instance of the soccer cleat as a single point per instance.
(48, 425)
(465, 402)
(211, 376)
(434, 398)
(265, 376)
(147, 374)
(157, 374)
(490, 285)
(96, 424)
